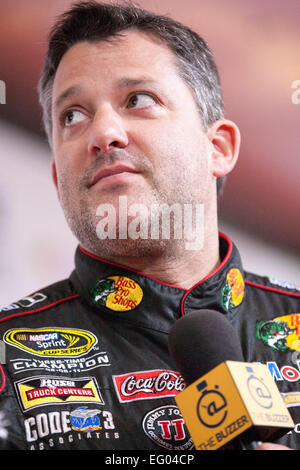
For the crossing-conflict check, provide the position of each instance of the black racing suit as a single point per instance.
(85, 361)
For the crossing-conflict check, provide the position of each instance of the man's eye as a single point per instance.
(72, 117)
(140, 100)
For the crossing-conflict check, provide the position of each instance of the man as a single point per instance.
(134, 115)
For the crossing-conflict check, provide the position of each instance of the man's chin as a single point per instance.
(118, 249)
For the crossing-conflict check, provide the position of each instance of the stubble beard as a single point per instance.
(82, 220)
(80, 211)
(81, 217)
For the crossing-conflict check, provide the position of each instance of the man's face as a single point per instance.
(128, 126)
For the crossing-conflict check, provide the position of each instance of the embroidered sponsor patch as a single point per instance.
(284, 284)
(291, 399)
(165, 426)
(85, 419)
(47, 390)
(117, 293)
(147, 385)
(26, 302)
(10, 307)
(233, 291)
(57, 428)
(66, 365)
(51, 341)
(281, 334)
(285, 372)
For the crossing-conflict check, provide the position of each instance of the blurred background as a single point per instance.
(256, 44)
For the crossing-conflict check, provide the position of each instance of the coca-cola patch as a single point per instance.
(149, 384)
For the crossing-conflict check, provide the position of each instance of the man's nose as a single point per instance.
(107, 132)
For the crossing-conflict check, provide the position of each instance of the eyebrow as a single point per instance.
(68, 93)
(122, 83)
(128, 82)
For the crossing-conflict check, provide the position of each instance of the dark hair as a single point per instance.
(92, 21)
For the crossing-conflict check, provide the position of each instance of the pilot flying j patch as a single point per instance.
(117, 293)
(281, 333)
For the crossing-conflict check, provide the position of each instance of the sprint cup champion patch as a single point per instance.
(45, 390)
(233, 291)
(281, 333)
(117, 293)
(62, 342)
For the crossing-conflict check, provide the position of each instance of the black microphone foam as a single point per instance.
(200, 341)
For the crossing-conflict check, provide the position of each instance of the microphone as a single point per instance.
(228, 403)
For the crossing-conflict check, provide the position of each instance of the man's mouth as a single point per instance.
(111, 173)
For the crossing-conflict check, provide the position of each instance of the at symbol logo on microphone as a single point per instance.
(258, 390)
(211, 406)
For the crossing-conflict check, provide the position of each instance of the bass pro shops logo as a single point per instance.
(51, 341)
(117, 293)
(281, 333)
(233, 291)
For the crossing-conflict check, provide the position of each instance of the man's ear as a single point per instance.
(54, 177)
(225, 138)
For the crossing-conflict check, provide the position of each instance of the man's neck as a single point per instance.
(181, 267)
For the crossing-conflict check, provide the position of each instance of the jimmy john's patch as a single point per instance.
(166, 427)
(117, 293)
(51, 341)
(233, 291)
(47, 390)
(281, 333)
